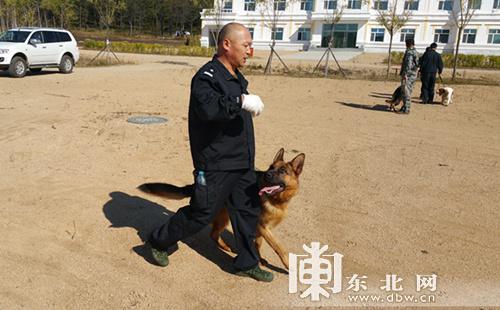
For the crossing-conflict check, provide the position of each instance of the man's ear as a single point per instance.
(226, 44)
(298, 163)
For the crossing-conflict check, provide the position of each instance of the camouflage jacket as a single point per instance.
(410, 62)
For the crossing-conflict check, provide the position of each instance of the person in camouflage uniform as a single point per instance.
(409, 69)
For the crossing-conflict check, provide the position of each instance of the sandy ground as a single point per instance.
(393, 194)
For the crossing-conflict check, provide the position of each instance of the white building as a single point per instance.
(303, 25)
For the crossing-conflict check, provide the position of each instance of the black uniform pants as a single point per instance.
(237, 190)
(428, 83)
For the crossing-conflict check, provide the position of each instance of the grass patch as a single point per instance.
(464, 61)
(302, 71)
(146, 48)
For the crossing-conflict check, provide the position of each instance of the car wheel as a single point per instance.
(36, 70)
(18, 67)
(66, 65)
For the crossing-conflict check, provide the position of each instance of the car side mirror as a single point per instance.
(34, 42)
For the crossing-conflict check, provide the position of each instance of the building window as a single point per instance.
(496, 4)
(228, 6)
(494, 36)
(279, 5)
(475, 4)
(251, 29)
(277, 34)
(411, 5)
(446, 5)
(377, 35)
(249, 5)
(469, 36)
(304, 34)
(441, 35)
(407, 34)
(354, 4)
(330, 4)
(380, 4)
(307, 5)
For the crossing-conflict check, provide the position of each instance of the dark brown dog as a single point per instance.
(396, 99)
(277, 186)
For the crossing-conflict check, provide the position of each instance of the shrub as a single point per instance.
(464, 61)
(144, 48)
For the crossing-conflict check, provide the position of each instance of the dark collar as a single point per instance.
(225, 72)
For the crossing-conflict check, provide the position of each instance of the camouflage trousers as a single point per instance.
(407, 86)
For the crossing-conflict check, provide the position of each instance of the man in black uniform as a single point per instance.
(430, 63)
(223, 151)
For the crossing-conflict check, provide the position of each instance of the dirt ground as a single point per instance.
(394, 194)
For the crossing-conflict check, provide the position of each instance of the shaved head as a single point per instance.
(234, 46)
(230, 31)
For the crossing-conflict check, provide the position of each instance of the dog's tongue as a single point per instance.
(269, 190)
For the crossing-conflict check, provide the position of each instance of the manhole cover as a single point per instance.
(146, 120)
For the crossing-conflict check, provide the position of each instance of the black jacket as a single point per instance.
(220, 132)
(431, 62)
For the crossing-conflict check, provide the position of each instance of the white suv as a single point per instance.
(36, 48)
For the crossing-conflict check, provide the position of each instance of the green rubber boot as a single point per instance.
(257, 274)
(160, 257)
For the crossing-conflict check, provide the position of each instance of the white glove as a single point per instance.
(253, 104)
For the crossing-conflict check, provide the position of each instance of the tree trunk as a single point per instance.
(455, 60)
(326, 64)
(389, 58)
(38, 14)
(2, 18)
(62, 16)
(268, 69)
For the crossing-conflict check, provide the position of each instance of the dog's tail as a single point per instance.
(167, 190)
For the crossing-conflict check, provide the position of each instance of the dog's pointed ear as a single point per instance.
(298, 163)
(279, 156)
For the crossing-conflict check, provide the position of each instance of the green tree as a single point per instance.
(106, 9)
(63, 10)
(22, 12)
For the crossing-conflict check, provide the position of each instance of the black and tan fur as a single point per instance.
(396, 98)
(274, 206)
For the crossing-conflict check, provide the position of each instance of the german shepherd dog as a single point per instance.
(277, 186)
(396, 98)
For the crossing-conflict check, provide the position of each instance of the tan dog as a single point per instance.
(277, 186)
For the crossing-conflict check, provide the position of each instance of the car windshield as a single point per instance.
(14, 36)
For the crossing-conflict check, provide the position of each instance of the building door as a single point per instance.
(344, 35)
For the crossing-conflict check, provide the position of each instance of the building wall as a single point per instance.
(425, 20)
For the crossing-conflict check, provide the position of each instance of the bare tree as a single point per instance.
(392, 21)
(216, 14)
(271, 11)
(107, 10)
(333, 17)
(462, 16)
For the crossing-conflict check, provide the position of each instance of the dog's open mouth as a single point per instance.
(271, 190)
